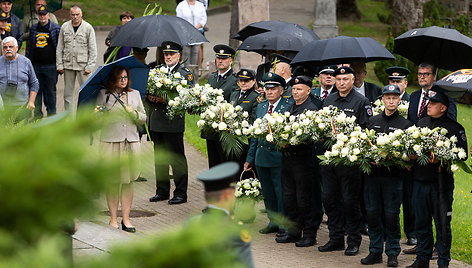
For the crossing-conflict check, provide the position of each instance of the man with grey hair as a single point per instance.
(18, 82)
(76, 55)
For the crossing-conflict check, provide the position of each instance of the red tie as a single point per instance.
(271, 108)
(423, 105)
(325, 94)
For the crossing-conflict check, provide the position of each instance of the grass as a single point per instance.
(192, 133)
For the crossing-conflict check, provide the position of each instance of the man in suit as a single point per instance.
(225, 79)
(168, 135)
(427, 73)
(368, 90)
(326, 79)
(397, 76)
(266, 157)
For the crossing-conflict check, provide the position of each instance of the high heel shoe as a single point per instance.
(127, 229)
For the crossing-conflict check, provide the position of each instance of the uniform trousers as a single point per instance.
(425, 203)
(71, 93)
(383, 198)
(215, 152)
(408, 212)
(169, 150)
(271, 182)
(341, 200)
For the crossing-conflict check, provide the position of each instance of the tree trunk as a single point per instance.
(234, 25)
(347, 9)
(406, 15)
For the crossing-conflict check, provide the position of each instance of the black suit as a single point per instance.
(372, 91)
(415, 103)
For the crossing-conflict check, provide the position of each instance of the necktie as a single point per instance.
(220, 77)
(271, 108)
(422, 106)
(325, 94)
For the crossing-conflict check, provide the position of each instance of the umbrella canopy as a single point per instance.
(276, 26)
(456, 84)
(22, 7)
(152, 30)
(446, 48)
(342, 49)
(275, 41)
(139, 76)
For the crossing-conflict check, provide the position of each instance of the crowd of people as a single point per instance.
(294, 184)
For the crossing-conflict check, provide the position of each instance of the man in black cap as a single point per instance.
(224, 79)
(383, 188)
(168, 134)
(14, 23)
(342, 184)
(326, 79)
(298, 176)
(397, 76)
(3, 26)
(266, 157)
(432, 184)
(369, 90)
(246, 95)
(219, 194)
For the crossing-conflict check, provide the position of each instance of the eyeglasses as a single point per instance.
(424, 74)
(123, 78)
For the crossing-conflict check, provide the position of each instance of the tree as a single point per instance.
(406, 15)
(347, 9)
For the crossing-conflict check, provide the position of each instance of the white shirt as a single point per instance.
(223, 74)
(421, 100)
(274, 105)
(360, 89)
(329, 90)
(195, 16)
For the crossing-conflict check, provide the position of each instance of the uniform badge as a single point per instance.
(369, 110)
(168, 46)
(190, 77)
(431, 93)
(395, 74)
(259, 99)
(269, 75)
(391, 88)
(245, 236)
(244, 72)
(342, 71)
(41, 8)
(222, 51)
(296, 80)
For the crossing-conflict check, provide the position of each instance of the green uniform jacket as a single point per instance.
(248, 101)
(261, 152)
(158, 120)
(229, 83)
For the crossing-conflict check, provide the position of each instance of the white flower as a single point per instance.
(284, 136)
(287, 128)
(396, 143)
(352, 158)
(443, 131)
(158, 84)
(222, 126)
(462, 154)
(246, 131)
(440, 143)
(344, 152)
(211, 114)
(356, 151)
(417, 148)
(177, 75)
(280, 120)
(454, 168)
(425, 131)
(269, 138)
(326, 154)
(334, 152)
(245, 114)
(183, 82)
(287, 114)
(363, 136)
(163, 69)
(415, 134)
(246, 185)
(214, 125)
(299, 132)
(257, 131)
(322, 126)
(171, 103)
(167, 81)
(295, 126)
(200, 123)
(453, 139)
(237, 132)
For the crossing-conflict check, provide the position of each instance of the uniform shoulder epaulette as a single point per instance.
(186, 69)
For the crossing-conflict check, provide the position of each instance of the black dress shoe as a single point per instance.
(269, 229)
(392, 261)
(372, 258)
(177, 200)
(288, 238)
(410, 250)
(281, 233)
(351, 251)
(331, 246)
(157, 198)
(419, 264)
(127, 229)
(365, 230)
(305, 242)
(411, 241)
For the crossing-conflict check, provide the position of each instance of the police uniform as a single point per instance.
(342, 184)
(219, 178)
(383, 192)
(267, 158)
(298, 180)
(429, 187)
(396, 73)
(228, 83)
(167, 134)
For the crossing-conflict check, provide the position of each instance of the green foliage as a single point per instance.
(433, 11)
(201, 242)
(233, 146)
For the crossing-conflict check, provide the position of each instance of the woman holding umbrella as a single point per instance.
(120, 138)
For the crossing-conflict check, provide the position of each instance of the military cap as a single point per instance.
(302, 79)
(223, 51)
(171, 47)
(280, 58)
(343, 70)
(435, 96)
(397, 73)
(3, 16)
(11, 1)
(391, 89)
(272, 80)
(138, 49)
(328, 69)
(219, 177)
(43, 10)
(246, 74)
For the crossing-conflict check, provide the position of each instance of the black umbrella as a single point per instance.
(342, 49)
(22, 7)
(152, 30)
(276, 26)
(446, 48)
(275, 41)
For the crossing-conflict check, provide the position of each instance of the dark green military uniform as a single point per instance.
(228, 83)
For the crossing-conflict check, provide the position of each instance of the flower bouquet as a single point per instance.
(230, 122)
(194, 100)
(247, 192)
(164, 84)
(329, 122)
(379, 107)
